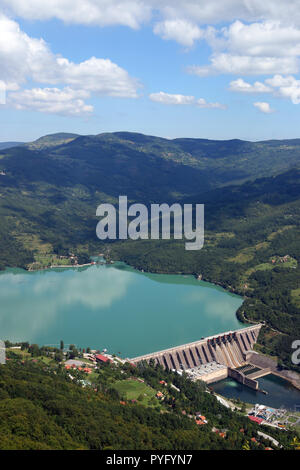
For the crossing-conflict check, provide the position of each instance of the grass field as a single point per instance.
(132, 390)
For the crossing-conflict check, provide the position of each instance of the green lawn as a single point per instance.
(132, 389)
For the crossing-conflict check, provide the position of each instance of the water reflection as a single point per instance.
(31, 302)
(113, 306)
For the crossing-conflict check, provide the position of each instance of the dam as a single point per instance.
(213, 358)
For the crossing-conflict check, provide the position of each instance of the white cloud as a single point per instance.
(96, 75)
(182, 31)
(133, 13)
(245, 65)
(267, 39)
(66, 102)
(241, 86)
(88, 12)
(23, 57)
(263, 107)
(202, 103)
(216, 11)
(279, 86)
(259, 48)
(286, 87)
(167, 98)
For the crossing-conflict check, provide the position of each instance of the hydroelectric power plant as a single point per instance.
(214, 358)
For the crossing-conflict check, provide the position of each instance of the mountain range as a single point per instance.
(50, 188)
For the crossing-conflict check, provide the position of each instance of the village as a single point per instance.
(94, 369)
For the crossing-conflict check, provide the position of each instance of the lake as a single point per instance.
(112, 306)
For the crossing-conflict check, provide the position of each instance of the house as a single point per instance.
(102, 359)
(255, 419)
(200, 417)
(200, 422)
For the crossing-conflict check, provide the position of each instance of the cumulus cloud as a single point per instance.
(167, 98)
(133, 13)
(264, 107)
(259, 48)
(267, 39)
(216, 11)
(202, 103)
(241, 86)
(182, 31)
(287, 87)
(25, 58)
(65, 102)
(88, 12)
(226, 63)
(279, 85)
(264, 40)
(96, 75)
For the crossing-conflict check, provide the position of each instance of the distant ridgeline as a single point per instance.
(50, 190)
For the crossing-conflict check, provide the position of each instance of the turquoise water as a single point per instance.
(112, 306)
(280, 392)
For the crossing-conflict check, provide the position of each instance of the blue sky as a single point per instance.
(180, 68)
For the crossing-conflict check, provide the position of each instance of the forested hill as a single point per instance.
(252, 247)
(6, 145)
(44, 406)
(50, 188)
(144, 167)
(49, 191)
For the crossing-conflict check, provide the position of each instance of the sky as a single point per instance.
(217, 69)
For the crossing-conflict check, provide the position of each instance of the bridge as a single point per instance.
(230, 349)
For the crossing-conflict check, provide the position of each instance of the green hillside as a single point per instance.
(50, 190)
(252, 247)
(42, 407)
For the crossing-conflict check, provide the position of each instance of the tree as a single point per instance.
(58, 356)
(34, 350)
(62, 344)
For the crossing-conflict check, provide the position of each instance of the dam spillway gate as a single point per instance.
(230, 349)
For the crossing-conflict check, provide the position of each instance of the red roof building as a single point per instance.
(255, 419)
(101, 358)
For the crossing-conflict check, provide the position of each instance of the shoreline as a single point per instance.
(69, 266)
(199, 277)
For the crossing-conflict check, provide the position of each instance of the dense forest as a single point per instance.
(252, 247)
(43, 406)
(50, 190)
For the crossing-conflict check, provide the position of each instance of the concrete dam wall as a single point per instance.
(241, 378)
(229, 349)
